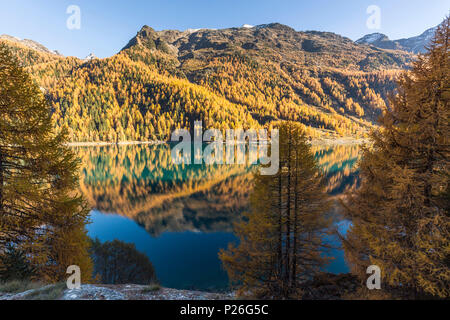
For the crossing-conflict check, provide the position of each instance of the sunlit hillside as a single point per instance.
(227, 78)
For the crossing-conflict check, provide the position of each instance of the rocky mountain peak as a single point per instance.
(149, 38)
(371, 38)
(276, 27)
(378, 40)
(147, 32)
(91, 56)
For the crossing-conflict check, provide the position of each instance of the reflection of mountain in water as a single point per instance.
(205, 210)
(142, 183)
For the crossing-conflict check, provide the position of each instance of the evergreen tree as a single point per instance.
(14, 265)
(39, 212)
(400, 214)
(281, 242)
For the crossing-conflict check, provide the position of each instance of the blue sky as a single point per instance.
(106, 26)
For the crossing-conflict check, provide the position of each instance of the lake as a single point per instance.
(181, 216)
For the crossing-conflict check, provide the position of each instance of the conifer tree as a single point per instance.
(400, 214)
(14, 265)
(39, 212)
(281, 238)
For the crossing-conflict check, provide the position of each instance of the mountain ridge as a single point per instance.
(416, 44)
(29, 43)
(234, 77)
(296, 46)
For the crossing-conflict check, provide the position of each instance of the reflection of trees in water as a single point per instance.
(142, 183)
(340, 164)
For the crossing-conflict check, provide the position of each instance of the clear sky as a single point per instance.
(106, 26)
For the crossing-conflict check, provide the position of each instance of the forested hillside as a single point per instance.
(239, 77)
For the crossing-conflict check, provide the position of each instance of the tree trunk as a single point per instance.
(280, 238)
(294, 250)
(1, 182)
(287, 273)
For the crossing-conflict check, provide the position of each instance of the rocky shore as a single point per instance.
(323, 287)
(115, 292)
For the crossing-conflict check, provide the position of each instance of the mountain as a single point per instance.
(236, 77)
(418, 44)
(268, 42)
(379, 40)
(414, 44)
(29, 43)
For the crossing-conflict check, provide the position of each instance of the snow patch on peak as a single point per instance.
(192, 30)
(371, 38)
(429, 34)
(91, 56)
(199, 29)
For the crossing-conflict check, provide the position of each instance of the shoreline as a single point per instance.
(339, 141)
(104, 143)
(315, 142)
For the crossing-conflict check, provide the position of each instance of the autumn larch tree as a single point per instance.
(39, 212)
(281, 238)
(400, 214)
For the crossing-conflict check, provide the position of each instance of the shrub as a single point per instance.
(17, 286)
(117, 262)
(151, 288)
